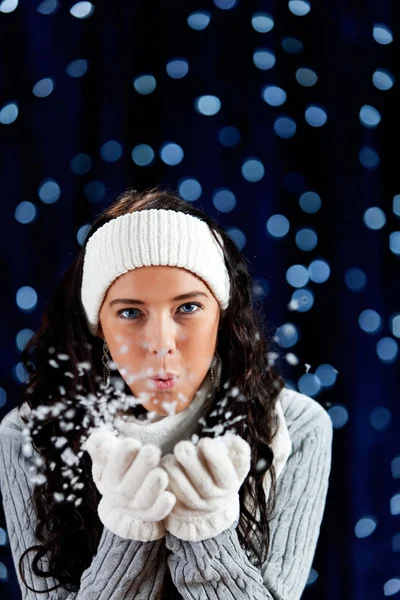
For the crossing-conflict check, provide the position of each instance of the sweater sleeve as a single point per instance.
(121, 570)
(218, 568)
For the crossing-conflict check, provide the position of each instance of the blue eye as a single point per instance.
(133, 318)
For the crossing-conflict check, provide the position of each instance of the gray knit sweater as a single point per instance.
(214, 569)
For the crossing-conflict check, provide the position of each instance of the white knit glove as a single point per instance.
(133, 486)
(206, 480)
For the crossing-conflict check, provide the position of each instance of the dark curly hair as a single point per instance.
(244, 350)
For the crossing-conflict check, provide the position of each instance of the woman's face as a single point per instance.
(146, 326)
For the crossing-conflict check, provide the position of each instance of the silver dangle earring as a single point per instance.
(105, 359)
(214, 372)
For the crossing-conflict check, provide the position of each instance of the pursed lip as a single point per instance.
(165, 376)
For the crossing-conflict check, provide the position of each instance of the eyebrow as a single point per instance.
(186, 296)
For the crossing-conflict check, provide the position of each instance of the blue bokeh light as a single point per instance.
(82, 10)
(171, 154)
(199, 20)
(369, 116)
(81, 234)
(327, 375)
(387, 349)
(306, 239)
(25, 212)
(306, 77)
(22, 338)
(262, 22)
(319, 271)
(49, 191)
(355, 279)
(273, 95)
(287, 335)
(278, 226)
(111, 151)
(237, 236)
(177, 68)
(229, 136)
(95, 191)
(302, 300)
(143, 155)
(43, 88)
(80, 164)
(77, 68)
(292, 45)
(382, 34)
(369, 158)
(9, 113)
(370, 321)
(145, 84)
(299, 7)
(253, 170)
(383, 79)
(310, 202)
(207, 105)
(374, 218)
(309, 384)
(285, 127)
(264, 59)
(316, 116)
(189, 189)
(297, 276)
(224, 200)
(48, 7)
(26, 298)
(339, 415)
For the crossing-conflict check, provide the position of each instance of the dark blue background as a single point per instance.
(122, 40)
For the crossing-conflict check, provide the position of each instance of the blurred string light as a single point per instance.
(172, 154)
(319, 271)
(94, 191)
(395, 504)
(26, 298)
(387, 350)
(273, 95)
(145, 84)
(8, 6)
(48, 7)
(394, 324)
(355, 279)
(177, 68)
(316, 116)
(264, 59)
(81, 234)
(299, 7)
(327, 375)
(143, 155)
(80, 164)
(395, 467)
(49, 191)
(207, 105)
(237, 236)
(43, 88)
(3, 537)
(287, 335)
(369, 158)
(380, 418)
(3, 572)
(374, 218)
(285, 127)
(310, 202)
(292, 45)
(278, 226)
(365, 527)
(302, 300)
(22, 338)
(339, 416)
(224, 200)
(309, 384)
(199, 20)
(396, 546)
(229, 136)
(77, 68)
(20, 373)
(396, 205)
(297, 276)
(382, 79)
(225, 4)
(262, 22)
(394, 242)
(312, 577)
(369, 116)
(189, 189)
(306, 239)
(382, 34)
(392, 586)
(253, 170)
(9, 113)
(25, 212)
(3, 397)
(370, 321)
(82, 10)
(111, 151)
(306, 77)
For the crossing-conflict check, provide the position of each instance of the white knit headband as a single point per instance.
(150, 237)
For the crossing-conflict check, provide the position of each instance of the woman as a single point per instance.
(202, 476)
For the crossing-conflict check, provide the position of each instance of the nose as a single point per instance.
(160, 336)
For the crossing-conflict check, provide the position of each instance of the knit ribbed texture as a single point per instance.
(217, 568)
(145, 238)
